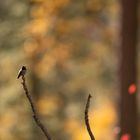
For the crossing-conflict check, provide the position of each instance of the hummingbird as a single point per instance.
(22, 72)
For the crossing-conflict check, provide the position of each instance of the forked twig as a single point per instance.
(87, 120)
(35, 116)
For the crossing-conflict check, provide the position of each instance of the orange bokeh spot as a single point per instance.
(132, 89)
(125, 137)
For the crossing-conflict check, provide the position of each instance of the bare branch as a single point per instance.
(87, 120)
(35, 116)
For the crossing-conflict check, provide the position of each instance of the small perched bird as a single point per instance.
(22, 72)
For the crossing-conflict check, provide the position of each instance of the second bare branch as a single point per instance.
(87, 120)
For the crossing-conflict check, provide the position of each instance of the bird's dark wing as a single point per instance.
(19, 75)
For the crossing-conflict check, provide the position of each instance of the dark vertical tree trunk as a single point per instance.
(128, 105)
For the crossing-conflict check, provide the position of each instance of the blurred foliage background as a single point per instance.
(71, 49)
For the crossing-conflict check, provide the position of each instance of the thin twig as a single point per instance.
(35, 116)
(87, 120)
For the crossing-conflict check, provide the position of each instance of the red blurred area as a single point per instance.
(132, 89)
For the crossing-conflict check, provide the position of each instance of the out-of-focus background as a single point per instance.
(71, 48)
